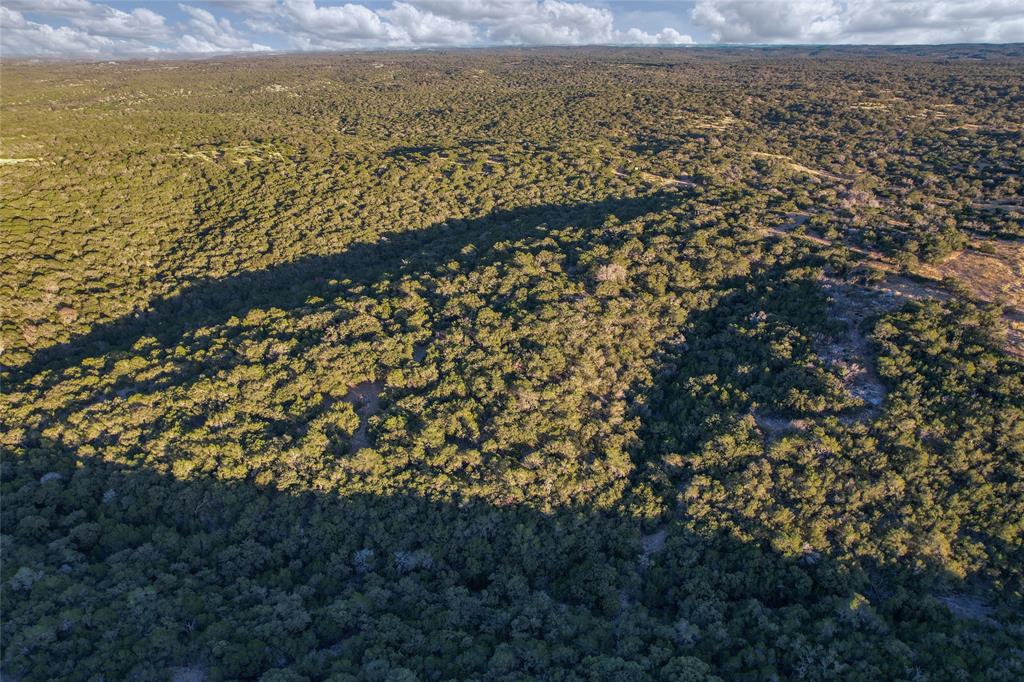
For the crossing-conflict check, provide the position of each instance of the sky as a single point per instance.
(167, 28)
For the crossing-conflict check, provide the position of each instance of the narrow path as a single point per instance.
(800, 168)
(875, 258)
(659, 179)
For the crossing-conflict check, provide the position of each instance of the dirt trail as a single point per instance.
(875, 258)
(800, 168)
(659, 179)
(999, 206)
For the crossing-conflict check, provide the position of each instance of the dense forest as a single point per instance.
(596, 364)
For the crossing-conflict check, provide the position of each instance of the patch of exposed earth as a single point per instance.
(990, 271)
(773, 427)
(653, 543)
(999, 206)
(993, 274)
(966, 607)
(849, 352)
(186, 674)
(800, 168)
(243, 154)
(875, 259)
(712, 123)
(650, 544)
(365, 397)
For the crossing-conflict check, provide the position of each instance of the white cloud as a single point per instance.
(85, 28)
(100, 31)
(861, 21)
(306, 24)
(54, 7)
(670, 36)
(97, 19)
(207, 33)
(337, 23)
(552, 22)
(19, 36)
(478, 10)
(309, 26)
(666, 36)
(245, 6)
(765, 21)
(139, 24)
(427, 28)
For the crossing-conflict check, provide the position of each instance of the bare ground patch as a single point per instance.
(800, 168)
(650, 544)
(999, 206)
(773, 427)
(365, 397)
(711, 123)
(654, 542)
(966, 607)
(188, 674)
(849, 353)
(875, 259)
(990, 271)
(993, 274)
(12, 162)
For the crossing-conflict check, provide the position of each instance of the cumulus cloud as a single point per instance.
(247, 6)
(861, 21)
(86, 28)
(307, 25)
(666, 36)
(207, 33)
(97, 19)
(23, 37)
(337, 24)
(546, 22)
(139, 24)
(96, 30)
(424, 27)
(479, 10)
(57, 7)
(553, 22)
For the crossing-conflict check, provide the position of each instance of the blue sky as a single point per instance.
(165, 28)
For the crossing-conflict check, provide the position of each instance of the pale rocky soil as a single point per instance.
(990, 271)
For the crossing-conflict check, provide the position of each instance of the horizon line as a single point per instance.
(200, 56)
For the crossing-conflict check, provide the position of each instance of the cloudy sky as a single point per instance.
(164, 28)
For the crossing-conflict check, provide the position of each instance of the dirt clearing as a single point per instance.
(365, 397)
